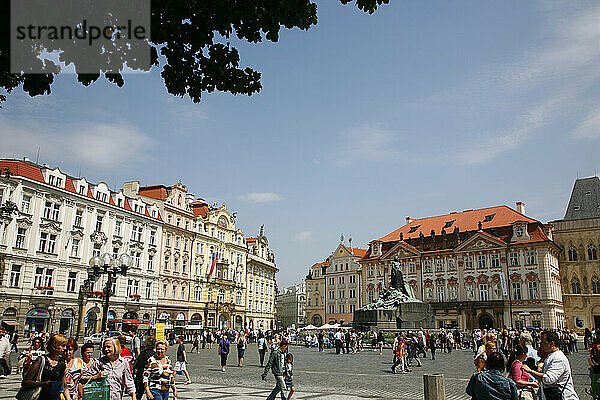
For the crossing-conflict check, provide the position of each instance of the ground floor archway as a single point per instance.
(91, 321)
(239, 323)
(486, 321)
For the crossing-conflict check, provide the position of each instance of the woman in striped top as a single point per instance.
(159, 375)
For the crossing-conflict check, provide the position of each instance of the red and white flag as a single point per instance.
(212, 265)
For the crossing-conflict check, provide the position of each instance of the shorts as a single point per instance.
(289, 383)
(180, 367)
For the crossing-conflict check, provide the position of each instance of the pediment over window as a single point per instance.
(24, 222)
(98, 237)
(77, 233)
(401, 250)
(51, 226)
(481, 241)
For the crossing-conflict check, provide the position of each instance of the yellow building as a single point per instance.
(578, 235)
(315, 294)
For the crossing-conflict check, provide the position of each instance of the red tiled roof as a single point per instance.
(70, 186)
(199, 208)
(24, 169)
(158, 192)
(29, 170)
(466, 221)
(251, 239)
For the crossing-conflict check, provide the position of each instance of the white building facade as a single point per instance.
(291, 306)
(45, 250)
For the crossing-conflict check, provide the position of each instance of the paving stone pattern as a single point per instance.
(326, 376)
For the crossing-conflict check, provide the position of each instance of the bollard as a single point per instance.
(433, 387)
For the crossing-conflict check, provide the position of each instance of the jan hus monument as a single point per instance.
(396, 308)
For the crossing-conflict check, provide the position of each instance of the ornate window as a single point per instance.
(532, 287)
(469, 262)
(517, 295)
(514, 259)
(575, 286)
(595, 285)
(572, 253)
(592, 254)
(427, 266)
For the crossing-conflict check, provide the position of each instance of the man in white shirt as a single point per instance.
(556, 376)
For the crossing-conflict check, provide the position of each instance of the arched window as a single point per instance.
(572, 254)
(238, 298)
(575, 286)
(592, 255)
(221, 295)
(595, 285)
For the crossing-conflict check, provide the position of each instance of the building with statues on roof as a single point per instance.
(491, 267)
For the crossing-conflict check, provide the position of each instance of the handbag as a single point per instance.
(555, 393)
(33, 393)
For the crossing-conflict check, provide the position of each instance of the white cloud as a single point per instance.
(261, 197)
(368, 142)
(501, 107)
(95, 145)
(303, 236)
(589, 128)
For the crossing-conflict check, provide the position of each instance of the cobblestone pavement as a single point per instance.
(327, 376)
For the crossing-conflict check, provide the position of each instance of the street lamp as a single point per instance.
(110, 266)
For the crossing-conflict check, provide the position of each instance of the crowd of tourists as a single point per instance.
(509, 364)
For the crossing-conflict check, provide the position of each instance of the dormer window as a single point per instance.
(576, 208)
(120, 202)
(488, 218)
(82, 190)
(414, 228)
(449, 224)
(519, 231)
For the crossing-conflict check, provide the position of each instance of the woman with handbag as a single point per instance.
(525, 385)
(115, 369)
(46, 378)
(241, 348)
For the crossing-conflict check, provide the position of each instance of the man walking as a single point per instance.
(136, 344)
(276, 364)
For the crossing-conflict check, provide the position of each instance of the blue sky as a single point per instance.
(420, 109)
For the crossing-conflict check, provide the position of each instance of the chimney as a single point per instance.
(25, 158)
(131, 188)
(409, 220)
(521, 207)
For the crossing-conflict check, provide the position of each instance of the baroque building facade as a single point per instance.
(490, 267)
(578, 235)
(342, 284)
(261, 284)
(61, 223)
(315, 293)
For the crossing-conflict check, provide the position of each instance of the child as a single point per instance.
(289, 374)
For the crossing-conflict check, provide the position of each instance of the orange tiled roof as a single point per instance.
(199, 208)
(158, 192)
(29, 170)
(465, 221)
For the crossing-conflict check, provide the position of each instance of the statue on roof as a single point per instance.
(262, 230)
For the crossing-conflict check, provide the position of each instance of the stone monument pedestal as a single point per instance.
(409, 315)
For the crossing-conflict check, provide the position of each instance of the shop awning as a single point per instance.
(10, 323)
(134, 322)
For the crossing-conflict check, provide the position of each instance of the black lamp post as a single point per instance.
(110, 266)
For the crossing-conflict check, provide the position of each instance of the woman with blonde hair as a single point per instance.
(53, 367)
(159, 374)
(116, 369)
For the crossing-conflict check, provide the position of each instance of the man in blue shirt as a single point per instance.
(491, 384)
